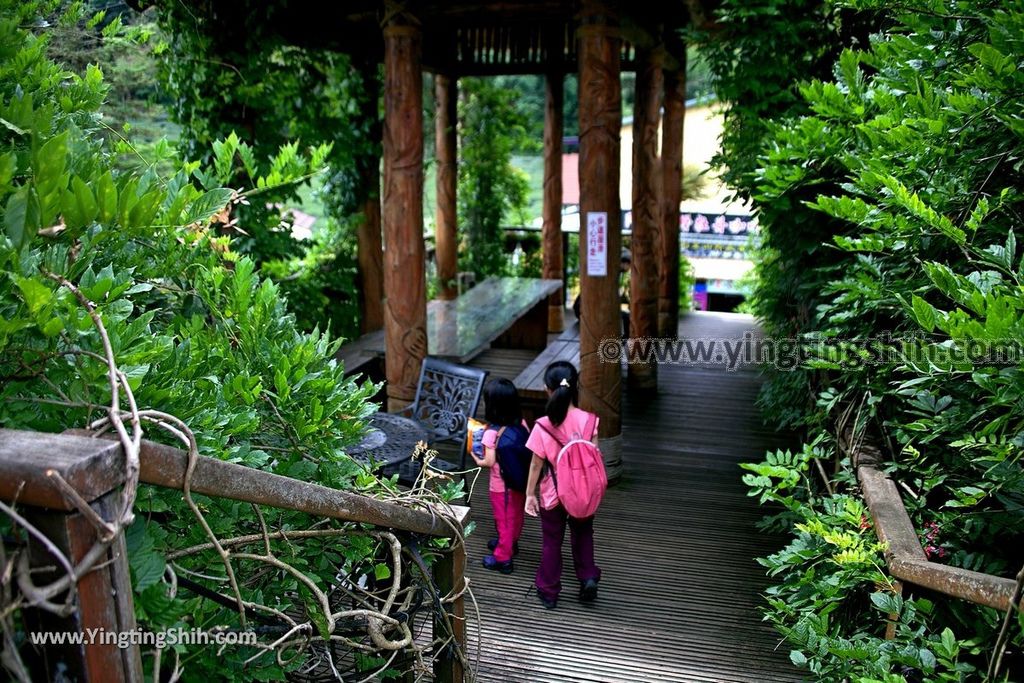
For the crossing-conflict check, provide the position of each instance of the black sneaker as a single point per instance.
(547, 602)
(490, 562)
(588, 590)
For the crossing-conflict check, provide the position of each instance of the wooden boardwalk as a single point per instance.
(675, 539)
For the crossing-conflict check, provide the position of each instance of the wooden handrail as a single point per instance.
(94, 468)
(165, 466)
(904, 555)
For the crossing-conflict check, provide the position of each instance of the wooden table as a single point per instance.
(504, 312)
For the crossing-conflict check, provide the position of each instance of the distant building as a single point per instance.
(715, 231)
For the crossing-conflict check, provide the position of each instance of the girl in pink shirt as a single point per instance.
(504, 437)
(567, 421)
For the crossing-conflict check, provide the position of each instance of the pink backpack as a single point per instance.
(578, 471)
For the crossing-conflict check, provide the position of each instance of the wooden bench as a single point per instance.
(504, 312)
(359, 356)
(530, 382)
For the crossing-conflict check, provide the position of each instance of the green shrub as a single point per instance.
(195, 330)
(888, 198)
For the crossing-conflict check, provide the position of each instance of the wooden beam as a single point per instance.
(405, 308)
(647, 209)
(672, 179)
(600, 111)
(91, 467)
(446, 141)
(552, 210)
(369, 247)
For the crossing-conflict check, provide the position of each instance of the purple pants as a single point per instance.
(581, 536)
(508, 520)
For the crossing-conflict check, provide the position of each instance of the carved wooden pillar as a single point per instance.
(600, 110)
(647, 214)
(445, 238)
(405, 307)
(552, 211)
(369, 253)
(672, 180)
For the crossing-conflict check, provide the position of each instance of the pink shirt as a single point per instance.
(547, 448)
(496, 483)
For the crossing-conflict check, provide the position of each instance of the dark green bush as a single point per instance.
(889, 196)
(195, 330)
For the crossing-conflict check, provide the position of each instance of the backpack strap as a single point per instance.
(561, 442)
(591, 426)
(548, 467)
(497, 442)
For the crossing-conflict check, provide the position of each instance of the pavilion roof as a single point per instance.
(467, 38)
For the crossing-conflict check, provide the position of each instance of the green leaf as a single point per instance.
(887, 602)
(106, 198)
(203, 208)
(79, 206)
(34, 292)
(21, 217)
(798, 658)
(8, 166)
(51, 158)
(950, 648)
(146, 564)
(924, 313)
(314, 611)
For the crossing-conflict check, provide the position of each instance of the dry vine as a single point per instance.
(349, 616)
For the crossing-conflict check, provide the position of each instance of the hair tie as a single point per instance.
(564, 382)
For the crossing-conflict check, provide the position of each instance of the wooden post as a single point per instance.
(103, 598)
(672, 179)
(449, 575)
(369, 248)
(647, 215)
(600, 111)
(405, 307)
(551, 235)
(445, 238)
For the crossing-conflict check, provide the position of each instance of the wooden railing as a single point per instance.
(95, 468)
(904, 555)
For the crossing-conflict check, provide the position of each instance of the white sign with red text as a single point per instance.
(597, 243)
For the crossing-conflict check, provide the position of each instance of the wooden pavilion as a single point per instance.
(597, 39)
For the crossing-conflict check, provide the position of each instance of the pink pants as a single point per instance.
(508, 518)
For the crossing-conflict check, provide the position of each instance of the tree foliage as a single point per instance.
(195, 329)
(489, 187)
(232, 74)
(889, 195)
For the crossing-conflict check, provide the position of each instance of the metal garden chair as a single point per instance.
(447, 395)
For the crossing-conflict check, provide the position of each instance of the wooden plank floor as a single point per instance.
(675, 539)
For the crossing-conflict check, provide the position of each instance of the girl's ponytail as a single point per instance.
(562, 380)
